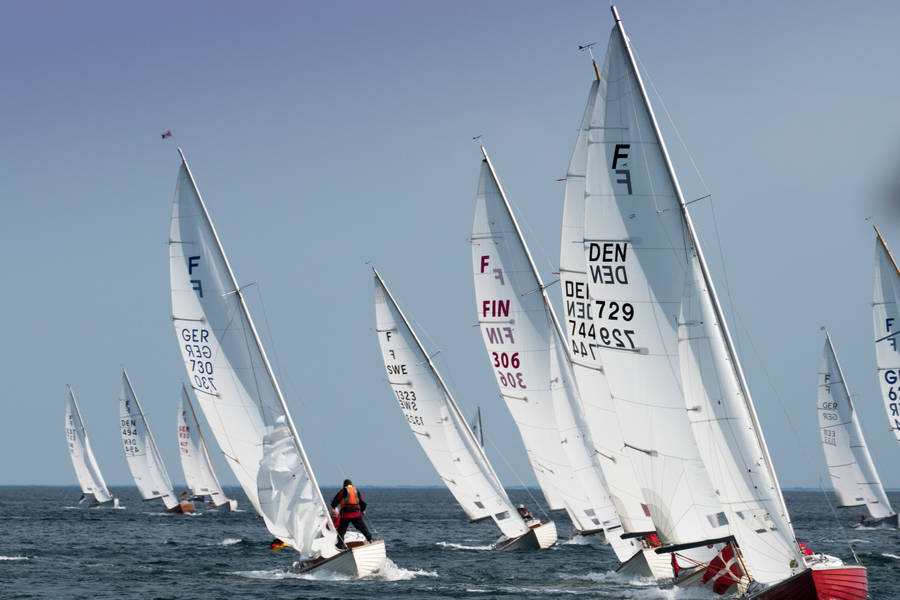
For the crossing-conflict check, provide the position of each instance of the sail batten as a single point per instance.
(235, 383)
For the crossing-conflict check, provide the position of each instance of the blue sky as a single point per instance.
(326, 135)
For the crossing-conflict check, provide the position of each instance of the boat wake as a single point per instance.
(583, 540)
(389, 572)
(456, 546)
(889, 555)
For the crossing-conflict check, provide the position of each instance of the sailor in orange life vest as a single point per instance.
(353, 507)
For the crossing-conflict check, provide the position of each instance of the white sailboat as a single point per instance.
(199, 473)
(853, 475)
(442, 431)
(664, 343)
(141, 453)
(528, 355)
(93, 487)
(240, 397)
(886, 317)
(597, 403)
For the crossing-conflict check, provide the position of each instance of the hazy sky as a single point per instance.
(324, 135)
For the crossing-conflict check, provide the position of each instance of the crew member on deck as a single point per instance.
(525, 513)
(353, 507)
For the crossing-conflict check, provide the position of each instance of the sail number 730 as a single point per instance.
(197, 353)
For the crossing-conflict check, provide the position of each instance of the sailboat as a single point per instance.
(141, 453)
(442, 431)
(93, 488)
(199, 473)
(662, 333)
(237, 390)
(853, 475)
(528, 354)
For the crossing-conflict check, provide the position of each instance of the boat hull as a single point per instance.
(835, 583)
(647, 563)
(537, 538)
(890, 521)
(358, 561)
(182, 508)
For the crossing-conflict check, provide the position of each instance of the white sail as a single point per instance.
(199, 473)
(436, 421)
(146, 465)
(853, 475)
(234, 382)
(548, 412)
(634, 239)
(86, 470)
(579, 325)
(886, 317)
(646, 262)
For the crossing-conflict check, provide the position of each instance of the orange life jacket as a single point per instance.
(350, 502)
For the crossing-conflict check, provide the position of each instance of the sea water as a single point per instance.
(52, 547)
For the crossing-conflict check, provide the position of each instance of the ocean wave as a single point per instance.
(583, 540)
(391, 572)
(14, 558)
(230, 541)
(456, 546)
(889, 555)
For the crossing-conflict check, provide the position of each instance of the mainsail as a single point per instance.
(886, 317)
(199, 473)
(529, 347)
(86, 469)
(688, 416)
(141, 452)
(853, 475)
(234, 382)
(437, 422)
(580, 328)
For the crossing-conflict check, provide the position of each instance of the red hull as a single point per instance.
(839, 583)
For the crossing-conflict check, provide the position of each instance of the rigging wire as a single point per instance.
(540, 506)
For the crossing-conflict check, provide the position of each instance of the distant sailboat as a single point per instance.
(93, 488)
(886, 317)
(240, 397)
(442, 431)
(853, 475)
(199, 473)
(663, 339)
(141, 453)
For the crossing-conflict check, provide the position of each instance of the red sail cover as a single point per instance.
(724, 570)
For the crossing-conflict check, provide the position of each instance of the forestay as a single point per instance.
(199, 473)
(234, 382)
(634, 249)
(886, 318)
(86, 469)
(141, 453)
(645, 260)
(436, 421)
(855, 480)
(578, 323)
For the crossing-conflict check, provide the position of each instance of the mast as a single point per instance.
(75, 403)
(560, 337)
(444, 387)
(240, 295)
(199, 431)
(159, 461)
(886, 249)
(707, 278)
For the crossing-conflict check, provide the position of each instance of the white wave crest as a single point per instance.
(230, 541)
(889, 555)
(456, 546)
(583, 540)
(14, 558)
(389, 572)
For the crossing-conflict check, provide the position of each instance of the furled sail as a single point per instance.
(664, 321)
(234, 382)
(886, 317)
(86, 470)
(199, 473)
(850, 466)
(141, 452)
(531, 349)
(581, 329)
(437, 422)
(633, 239)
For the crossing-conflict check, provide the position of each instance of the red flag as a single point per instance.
(724, 570)
(563, 179)
(167, 134)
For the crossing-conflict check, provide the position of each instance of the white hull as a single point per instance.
(358, 561)
(537, 538)
(647, 563)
